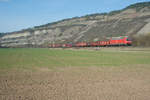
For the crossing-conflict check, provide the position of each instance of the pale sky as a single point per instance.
(20, 14)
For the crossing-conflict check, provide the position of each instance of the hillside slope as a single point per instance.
(135, 19)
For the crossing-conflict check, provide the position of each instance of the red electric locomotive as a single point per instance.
(120, 41)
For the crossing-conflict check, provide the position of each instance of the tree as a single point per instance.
(1, 34)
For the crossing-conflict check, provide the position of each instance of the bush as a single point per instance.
(141, 40)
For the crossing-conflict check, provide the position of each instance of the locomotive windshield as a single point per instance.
(129, 39)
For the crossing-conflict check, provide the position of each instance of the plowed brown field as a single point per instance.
(76, 83)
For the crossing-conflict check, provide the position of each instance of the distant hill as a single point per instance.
(132, 20)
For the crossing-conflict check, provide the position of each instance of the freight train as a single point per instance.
(113, 41)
